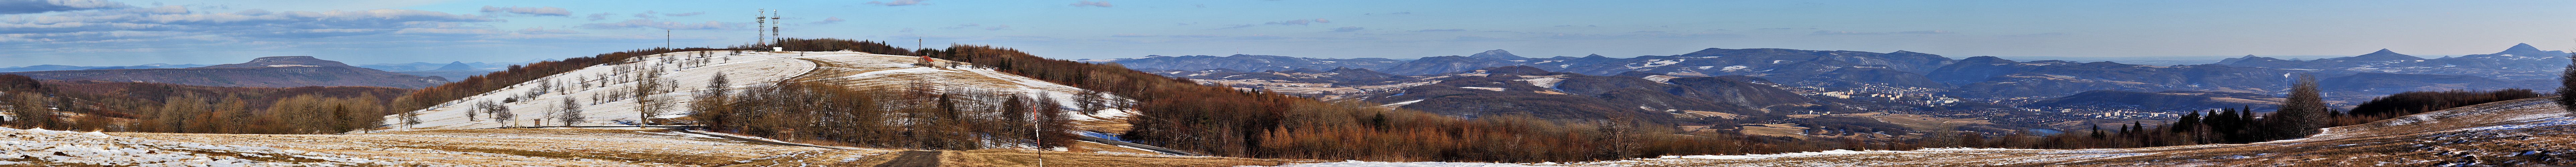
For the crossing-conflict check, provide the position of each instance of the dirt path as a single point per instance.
(828, 70)
(685, 130)
(914, 158)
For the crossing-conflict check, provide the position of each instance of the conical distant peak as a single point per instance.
(2382, 52)
(460, 65)
(2524, 47)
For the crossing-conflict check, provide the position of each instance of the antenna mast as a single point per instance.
(762, 20)
(773, 29)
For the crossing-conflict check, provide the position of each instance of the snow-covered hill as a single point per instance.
(599, 90)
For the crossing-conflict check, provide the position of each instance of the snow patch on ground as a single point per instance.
(1544, 82)
(1358, 163)
(1766, 156)
(92, 148)
(1484, 88)
(1399, 103)
(1661, 78)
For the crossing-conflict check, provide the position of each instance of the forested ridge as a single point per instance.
(2303, 115)
(163, 107)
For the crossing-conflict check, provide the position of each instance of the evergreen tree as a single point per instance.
(2097, 131)
(2187, 121)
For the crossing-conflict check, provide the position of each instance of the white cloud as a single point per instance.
(673, 25)
(999, 27)
(600, 16)
(536, 11)
(1830, 32)
(2039, 34)
(178, 18)
(542, 30)
(1091, 3)
(646, 15)
(896, 2)
(1348, 29)
(1298, 22)
(829, 20)
(962, 26)
(42, 6)
(1260, 37)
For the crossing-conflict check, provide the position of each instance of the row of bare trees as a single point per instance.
(915, 115)
(159, 107)
(1182, 114)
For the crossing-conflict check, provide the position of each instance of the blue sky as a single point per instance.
(128, 32)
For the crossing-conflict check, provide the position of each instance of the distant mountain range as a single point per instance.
(281, 71)
(452, 70)
(427, 66)
(1902, 73)
(2520, 62)
(50, 67)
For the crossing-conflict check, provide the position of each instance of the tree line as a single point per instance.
(161, 107)
(1182, 114)
(915, 115)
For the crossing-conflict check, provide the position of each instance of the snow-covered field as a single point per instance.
(596, 89)
(2527, 132)
(512, 147)
(483, 147)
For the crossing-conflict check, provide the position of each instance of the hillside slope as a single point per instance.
(2510, 133)
(598, 91)
(2526, 132)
